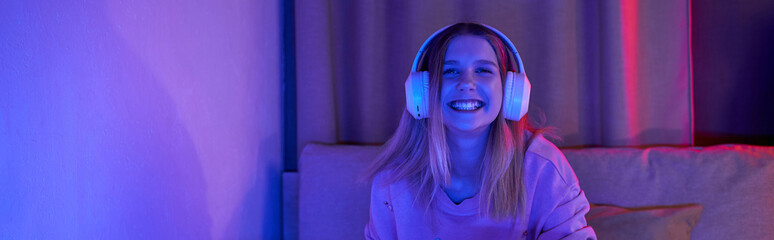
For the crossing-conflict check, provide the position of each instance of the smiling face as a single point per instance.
(471, 86)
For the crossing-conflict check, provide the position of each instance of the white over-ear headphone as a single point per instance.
(516, 87)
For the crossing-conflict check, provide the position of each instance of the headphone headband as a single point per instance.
(516, 86)
(502, 36)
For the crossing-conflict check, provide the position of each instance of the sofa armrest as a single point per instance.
(332, 204)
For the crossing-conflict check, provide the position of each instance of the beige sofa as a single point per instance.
(734, 184)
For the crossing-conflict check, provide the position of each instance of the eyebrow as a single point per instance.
(480, 61)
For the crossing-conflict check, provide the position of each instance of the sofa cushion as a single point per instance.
(651, 223)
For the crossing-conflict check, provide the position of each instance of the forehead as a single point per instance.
(470, 47)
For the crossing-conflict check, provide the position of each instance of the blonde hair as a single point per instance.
(418, 152)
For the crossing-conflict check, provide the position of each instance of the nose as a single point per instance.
(467, 83)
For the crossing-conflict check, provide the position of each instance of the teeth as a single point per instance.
(466, 105)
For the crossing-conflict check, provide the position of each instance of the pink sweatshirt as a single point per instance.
(555, 207)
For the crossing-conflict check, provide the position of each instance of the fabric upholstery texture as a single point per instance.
(733, 184)
(332, 203)
(651, 223)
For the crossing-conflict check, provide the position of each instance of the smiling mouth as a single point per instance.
(466, 105)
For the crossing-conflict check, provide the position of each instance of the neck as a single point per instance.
(467, 151)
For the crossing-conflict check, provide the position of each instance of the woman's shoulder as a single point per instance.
(385, 186)
(379, 185)
(542, 152)
(384, 179)
(381, 178)
(540, 146)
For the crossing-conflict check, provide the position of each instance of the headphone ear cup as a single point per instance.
(417, 94)
(516, 95)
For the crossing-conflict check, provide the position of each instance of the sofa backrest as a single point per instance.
(733, 183)
(331, 203)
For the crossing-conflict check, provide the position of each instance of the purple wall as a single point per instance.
(134, 119)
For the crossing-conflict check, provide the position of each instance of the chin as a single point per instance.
(466, 126)
(466, 123)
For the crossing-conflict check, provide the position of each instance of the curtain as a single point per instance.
(605, 73)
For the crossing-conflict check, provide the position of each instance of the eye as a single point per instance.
(450, 72)
(484, 70)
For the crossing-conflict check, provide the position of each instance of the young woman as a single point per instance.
(464, 163)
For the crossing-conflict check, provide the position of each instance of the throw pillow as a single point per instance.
(663, 222)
